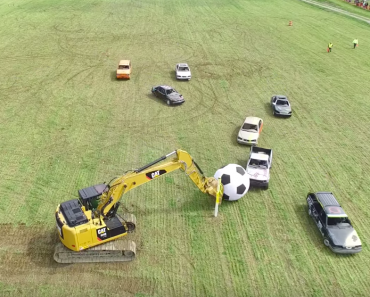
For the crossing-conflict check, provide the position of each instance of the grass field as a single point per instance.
(66, 123)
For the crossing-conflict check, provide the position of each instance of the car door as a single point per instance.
(321, 221)
(316, 210)
(161, 93)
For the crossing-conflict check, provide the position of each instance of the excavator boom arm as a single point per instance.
(181, 160)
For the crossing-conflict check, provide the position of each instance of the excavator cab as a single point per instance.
(89, 197)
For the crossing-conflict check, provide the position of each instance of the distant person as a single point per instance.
(330, 45)
(355, 43)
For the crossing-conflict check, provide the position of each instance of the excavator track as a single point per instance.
(119, 250)
(114, 251)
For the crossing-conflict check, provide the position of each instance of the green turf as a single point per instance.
(66, 123)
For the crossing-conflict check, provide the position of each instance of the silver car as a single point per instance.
(281, 106)
(183, 71)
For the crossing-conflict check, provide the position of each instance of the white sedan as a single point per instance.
(250, 131)
(183, 71)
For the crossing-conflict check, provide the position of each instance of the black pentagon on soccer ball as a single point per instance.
(225, 197)
(240, 190)
(240, 170)
(225, 179)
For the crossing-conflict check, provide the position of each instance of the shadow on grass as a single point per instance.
(243, 162)
(154, 98)
(268, 109)
(172, 75)
(113, 76)
(234, 136)
(256, 189)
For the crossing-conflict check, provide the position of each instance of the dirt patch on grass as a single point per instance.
(26, 257)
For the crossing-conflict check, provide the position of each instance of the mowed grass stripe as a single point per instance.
(239, 251)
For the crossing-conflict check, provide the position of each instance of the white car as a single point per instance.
(250, 131)
(183, 71)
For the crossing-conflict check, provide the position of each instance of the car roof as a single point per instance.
(335, 212)
(124, 62)
(282, 97)
(165, 87)
(182, 65)
(252, 120)
(258, 156)
(330, 204)
(326, 199)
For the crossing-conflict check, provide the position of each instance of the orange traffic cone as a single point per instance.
(290, 23)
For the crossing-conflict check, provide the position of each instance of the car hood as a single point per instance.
(123, 71)
(184, 73)
(283, 108)
(258, 173)
(175, 97)
(346, 237)
(248, 135)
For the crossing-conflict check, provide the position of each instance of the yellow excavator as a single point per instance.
(90, 230)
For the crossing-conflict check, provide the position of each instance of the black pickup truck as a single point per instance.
(333, 223)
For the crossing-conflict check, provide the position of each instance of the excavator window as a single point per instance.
(89, 197)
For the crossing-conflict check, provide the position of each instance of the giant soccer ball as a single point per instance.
(235, 181)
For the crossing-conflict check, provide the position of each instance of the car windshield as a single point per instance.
(123, 67)
(183, 69)
(249, 127)
(338, 222)
(258, 163)
(282, 103)
(170, 91)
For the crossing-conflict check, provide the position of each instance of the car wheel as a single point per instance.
(266, 187)
(168, 102)
(326, 242)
